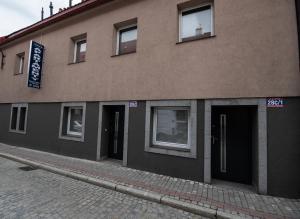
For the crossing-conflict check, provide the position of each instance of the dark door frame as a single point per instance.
(126, 119)
(261, 135)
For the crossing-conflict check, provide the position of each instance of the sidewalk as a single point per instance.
(230, 201)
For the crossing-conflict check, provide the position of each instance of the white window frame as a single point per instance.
(190, 152)
(73, 136)
(118, 36)
(21, 64)
(192, 8)
(169, 144)
(69, 132)
(19, 106)
(75, 48)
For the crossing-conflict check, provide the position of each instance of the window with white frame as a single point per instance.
(196, 23)
(80, 50)
(171, 126)
(72, 121)
(20, 63)
(74, 126)
(18, 118)
(126, 39)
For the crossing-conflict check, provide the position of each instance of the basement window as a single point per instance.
(171, 128)
(72, 121)
(18, 118)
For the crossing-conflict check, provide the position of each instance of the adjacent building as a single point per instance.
(198, 89)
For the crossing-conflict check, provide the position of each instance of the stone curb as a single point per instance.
(150, 196)
(196, 209)
(224, 215)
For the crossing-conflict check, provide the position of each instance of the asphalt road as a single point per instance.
(40, 194)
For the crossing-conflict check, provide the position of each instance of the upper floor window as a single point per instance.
(18, 118)
(80, 50)
(127, 39)
(196, 23)
(20, 63)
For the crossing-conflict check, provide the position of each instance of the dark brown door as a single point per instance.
(231, 144)
(116, 132)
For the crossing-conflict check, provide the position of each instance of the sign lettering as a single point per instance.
(275, 102)
(35, 65)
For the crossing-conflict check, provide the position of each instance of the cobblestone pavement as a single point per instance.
(231, 200)
(40, 194)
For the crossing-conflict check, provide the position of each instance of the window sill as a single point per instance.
(178, 152)
(171, 148)
(117, 55)
(17, 132)
(72, 138)
(74, 63)
(200, 38)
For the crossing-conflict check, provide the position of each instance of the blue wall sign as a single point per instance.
(35, 65)
(275, 102)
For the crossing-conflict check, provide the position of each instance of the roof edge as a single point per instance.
(62, 15)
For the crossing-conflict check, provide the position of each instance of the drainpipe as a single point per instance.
(70, 3)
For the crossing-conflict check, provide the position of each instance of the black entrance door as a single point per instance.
(231, 144)
(115, 131)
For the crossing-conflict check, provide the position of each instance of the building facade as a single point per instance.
(202, 89)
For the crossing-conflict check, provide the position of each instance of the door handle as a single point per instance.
(213, 139)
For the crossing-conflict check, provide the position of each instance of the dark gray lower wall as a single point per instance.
(187, 168)
(283, 142)
(284, 149)
(43, 130)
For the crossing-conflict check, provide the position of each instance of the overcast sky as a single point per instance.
(17, 14)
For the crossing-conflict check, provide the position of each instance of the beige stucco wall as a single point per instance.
(254, 54)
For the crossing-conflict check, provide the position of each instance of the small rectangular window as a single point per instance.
(80, 51)
(171, 126)
(127, 40)
(14, 118)
(196, 23)
(72, 121)
(18, 118)
(75, 121)
(20, 63)
(23, 113)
